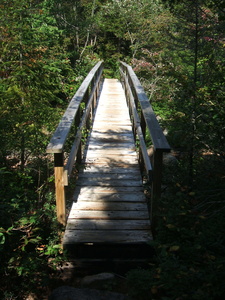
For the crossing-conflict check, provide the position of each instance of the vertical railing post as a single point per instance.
(60, 187)
(95, 96)
(86, 97)
(79, 154)
(156, 186)
(77, 123)
(143, 125)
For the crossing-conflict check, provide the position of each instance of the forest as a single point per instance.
(177, 50)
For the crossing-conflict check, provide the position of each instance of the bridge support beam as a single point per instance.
(60, 187)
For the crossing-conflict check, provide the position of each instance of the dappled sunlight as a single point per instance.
(109, 204)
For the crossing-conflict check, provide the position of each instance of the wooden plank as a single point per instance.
(121, 159)
(110, 124)
(111, 152)
(102, 169)
(112, 146)
(112, 128)
(112, 160)
(95, 214)
(74, 224)
(112, 133)
(109, 176)
(115, 189)
(108, 138)
(113, 119)
(120, 108)
(110, 182)
(60, 195)
(118, 114)
(109, 206)
(116, 197)
(73, 153)
(109, 236)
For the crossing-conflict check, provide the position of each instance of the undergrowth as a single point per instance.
(190, 242)
(30, 237)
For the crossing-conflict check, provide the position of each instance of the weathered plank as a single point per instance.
(83, 224)
(109, 176)
(115, 190)
(112, 121)
(109, 206)
(111, 152)
(102, 169)
(107, 236)
(111, 197)
(124, 146)
(111, 215)
(110, 182)
(113, 128)
(122, 160)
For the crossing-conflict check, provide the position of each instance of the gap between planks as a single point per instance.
(109, 202)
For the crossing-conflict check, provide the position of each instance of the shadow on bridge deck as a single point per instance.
(109, 216)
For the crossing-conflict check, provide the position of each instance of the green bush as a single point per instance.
(30, 244)
(189, 245)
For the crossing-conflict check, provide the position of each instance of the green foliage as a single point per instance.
(139, 282)
(37, 82)
(29, 241)
(189, 244)
(35, 78)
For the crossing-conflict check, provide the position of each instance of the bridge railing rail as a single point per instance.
(80, 112)
(143, 117)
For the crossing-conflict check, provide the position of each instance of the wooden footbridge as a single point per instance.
(107, 121)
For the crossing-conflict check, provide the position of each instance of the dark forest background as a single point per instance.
(177, 49)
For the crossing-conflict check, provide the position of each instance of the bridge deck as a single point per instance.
(109, 207)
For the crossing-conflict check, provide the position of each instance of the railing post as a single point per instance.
(143, 125)
(60, 187)
(79, 154)
(95, 96)
(86, 97)
(156, 186)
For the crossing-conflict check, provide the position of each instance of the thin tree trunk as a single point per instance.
(194, 98)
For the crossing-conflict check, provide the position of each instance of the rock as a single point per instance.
(150, 151)
(71, 293)
(98, 280)
(169, 160)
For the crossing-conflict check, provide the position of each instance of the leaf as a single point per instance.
(154, 290)
(192, 194)
(2, 238)
(174, 248)
(35, 240)
(170, 226)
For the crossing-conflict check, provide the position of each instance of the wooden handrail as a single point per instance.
(144, 160)
(86, 95)
(58, 139)
(136, 98)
